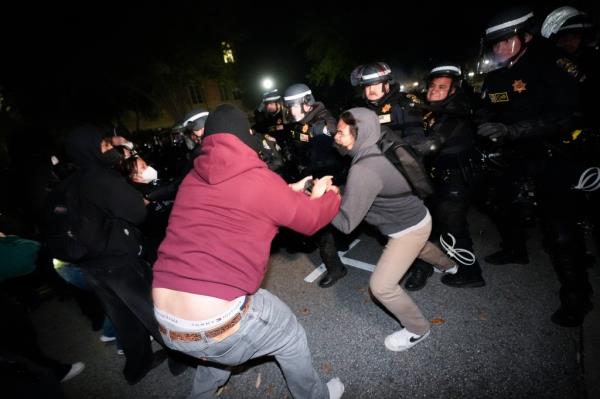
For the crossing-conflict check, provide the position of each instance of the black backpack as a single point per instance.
(76, 229)
(407, 160)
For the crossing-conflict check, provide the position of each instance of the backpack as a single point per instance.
(76, 229)
(408, 162)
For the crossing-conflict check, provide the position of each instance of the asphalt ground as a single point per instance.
(491, 342)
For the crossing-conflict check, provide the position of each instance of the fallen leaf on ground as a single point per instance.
(257, 381)
(326, 367)
(483, 316)
(437, 321)
(304, 311)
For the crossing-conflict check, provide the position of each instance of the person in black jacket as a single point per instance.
(450, 156)
(269, 124)
(382, 95)
(530, 107)
(313, 154)
(117, 275)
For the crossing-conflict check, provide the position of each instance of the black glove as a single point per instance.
(494, 131)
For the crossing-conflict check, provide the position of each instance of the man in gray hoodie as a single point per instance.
(378, 193)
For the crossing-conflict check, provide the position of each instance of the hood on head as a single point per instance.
(82, 145)
(369, 130)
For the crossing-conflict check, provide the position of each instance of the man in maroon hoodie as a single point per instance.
(214, 257)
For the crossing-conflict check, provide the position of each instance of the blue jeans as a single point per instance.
(268, 328)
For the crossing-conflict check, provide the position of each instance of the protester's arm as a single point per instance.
(297, 211)
(362, 187)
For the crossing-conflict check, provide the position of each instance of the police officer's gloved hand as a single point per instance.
(494, 131)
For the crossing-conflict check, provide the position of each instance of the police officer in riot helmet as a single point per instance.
(268, 118)
(310, 130)
(574, 32)
(312, 154)
(451, 160)
(382, 95)
(530, 104)
(270, 125)
(193, 124)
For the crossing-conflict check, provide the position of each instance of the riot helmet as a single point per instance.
(298, 99)
(440, 89)
(193, 123)
(271, 101)
(570, 28)
(504, 39)
(370, 74)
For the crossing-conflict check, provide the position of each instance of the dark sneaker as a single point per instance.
(504, 257)
(569, 317)
(463, 280)
(330, 279)
(418, 277)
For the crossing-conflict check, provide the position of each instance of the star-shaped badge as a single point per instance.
(519, 86)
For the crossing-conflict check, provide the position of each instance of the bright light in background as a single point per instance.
(416, 84)
(267, 83)
(401, 87)
(471, 74)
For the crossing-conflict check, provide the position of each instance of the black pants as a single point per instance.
(560, 211)
(449, 207)
(327, 241)
(124, 289)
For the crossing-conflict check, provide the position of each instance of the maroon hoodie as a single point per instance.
(226, 213)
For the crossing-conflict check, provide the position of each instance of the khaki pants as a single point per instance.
(398, 255)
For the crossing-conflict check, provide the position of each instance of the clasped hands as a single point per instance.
(319, 186)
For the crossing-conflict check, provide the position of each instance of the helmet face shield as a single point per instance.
(295, 97)
(296, 110)
(504, 39)
(498, 54)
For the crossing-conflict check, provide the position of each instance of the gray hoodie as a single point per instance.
(375, 190)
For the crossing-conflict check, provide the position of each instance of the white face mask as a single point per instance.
(149, 175)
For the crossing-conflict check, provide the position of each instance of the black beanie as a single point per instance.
(227, 118)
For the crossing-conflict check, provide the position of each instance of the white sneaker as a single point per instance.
(120, 352)
(403, 340)
(105, 338)
(76, 368)
(335, 388)
(452, 270)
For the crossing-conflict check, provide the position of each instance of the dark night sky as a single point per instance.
(67, 48)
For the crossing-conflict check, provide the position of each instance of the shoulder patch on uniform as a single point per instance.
(413, 99)
(571, 68)
(498, 97)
